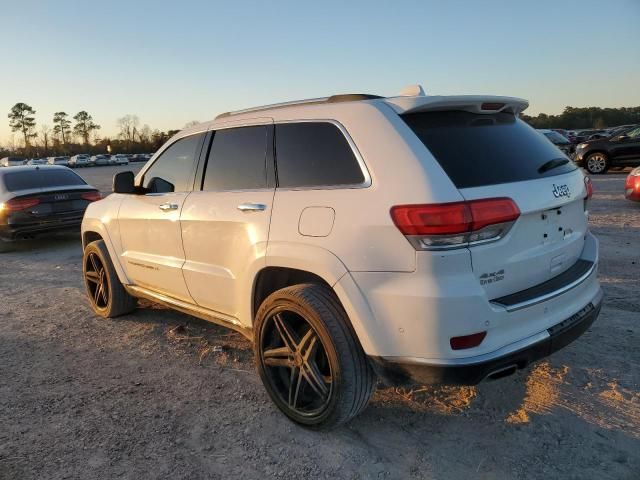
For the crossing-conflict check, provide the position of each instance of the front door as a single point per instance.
(225, 225)
(152, 252)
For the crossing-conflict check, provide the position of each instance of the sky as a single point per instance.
(172, 62)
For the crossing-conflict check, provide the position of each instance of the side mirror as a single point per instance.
(123, 182)
(621, 138)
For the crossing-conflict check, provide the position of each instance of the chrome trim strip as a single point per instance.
(190, 309)
(506, 350)
(550, 295)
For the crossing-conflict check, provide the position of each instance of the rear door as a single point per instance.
(498, 155)
(152, 252)
(627, 148)
(225, 225)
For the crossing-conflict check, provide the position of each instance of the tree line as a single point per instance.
(585, 117)
(78, 134)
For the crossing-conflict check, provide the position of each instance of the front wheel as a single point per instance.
(309, 360)
(597, 163)
(106, 294)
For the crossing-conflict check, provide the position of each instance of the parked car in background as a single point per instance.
(64, 161)
(80, 160)
(468, 256)
(99, 160)
(139, 157)
(568, 134)
(119, 159)
(621, 129)
(41, 199)
(622, 150)
(632, 185)
(12, 161)
(559, 141)
(37, 161)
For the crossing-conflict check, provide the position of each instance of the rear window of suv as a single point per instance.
(40, 178)
(485, 149)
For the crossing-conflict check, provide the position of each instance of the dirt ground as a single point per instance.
(158, 394)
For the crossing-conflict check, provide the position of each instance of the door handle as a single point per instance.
(168, 206)
(252, 207)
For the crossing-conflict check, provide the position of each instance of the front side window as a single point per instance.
(314, 154)
(237, 159)
(173, 170)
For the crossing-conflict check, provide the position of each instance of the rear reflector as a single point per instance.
(468, 341)
(455, 224)
(92, 196)
(589, 184)
(17, 204)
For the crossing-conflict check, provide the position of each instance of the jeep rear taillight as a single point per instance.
(444, 226)
(589, 185)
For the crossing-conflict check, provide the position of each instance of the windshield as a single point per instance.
(485, 149)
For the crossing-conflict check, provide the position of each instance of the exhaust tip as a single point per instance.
(503, 372)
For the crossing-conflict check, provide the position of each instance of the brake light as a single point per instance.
(92, 196)
(456, 224)
(17, 204)
(467, 341)
(589, 184)
(492, 106)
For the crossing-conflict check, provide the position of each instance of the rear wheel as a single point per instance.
(106, 294)
(308, 358)
(597, 163)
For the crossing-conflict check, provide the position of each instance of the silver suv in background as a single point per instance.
(354, 237)
(81, 160)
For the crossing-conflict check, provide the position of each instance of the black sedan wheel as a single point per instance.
(597, 163)
(309, 360)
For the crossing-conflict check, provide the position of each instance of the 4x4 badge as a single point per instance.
(561, 191)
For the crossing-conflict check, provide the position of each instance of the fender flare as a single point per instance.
(96, 226)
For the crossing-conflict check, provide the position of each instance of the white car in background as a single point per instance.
(357, 236)
(80, 160)
(64, 161)
(119, 159)
(12, 162)
(100, 159)
(37, 161)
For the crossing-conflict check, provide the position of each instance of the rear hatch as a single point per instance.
(497, 155)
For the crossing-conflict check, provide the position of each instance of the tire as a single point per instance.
(107, 296)
(597, 163)
(302, 336)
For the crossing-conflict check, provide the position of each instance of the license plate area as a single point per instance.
(553, 228)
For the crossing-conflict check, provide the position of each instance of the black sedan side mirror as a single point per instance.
(621, 138)
(123, 182)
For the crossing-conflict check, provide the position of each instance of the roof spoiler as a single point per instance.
(483, 104)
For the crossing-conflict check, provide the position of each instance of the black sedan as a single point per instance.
(41, 199)
(622, 150)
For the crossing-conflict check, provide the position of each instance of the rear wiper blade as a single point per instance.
(551, 164)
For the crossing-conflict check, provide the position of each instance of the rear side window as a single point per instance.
(237, 159)
(40, 178)
(314, 154)
(477, 149)
(173, 170)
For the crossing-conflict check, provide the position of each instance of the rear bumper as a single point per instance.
(472, 370)
(15, 231)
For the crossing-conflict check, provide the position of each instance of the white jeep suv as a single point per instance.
(436, 239)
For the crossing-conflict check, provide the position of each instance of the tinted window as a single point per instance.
(314, 154)
(237, 159)
(41, 178)
(477, 149)
(173, 170)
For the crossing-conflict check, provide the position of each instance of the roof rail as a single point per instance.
(348, 97)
